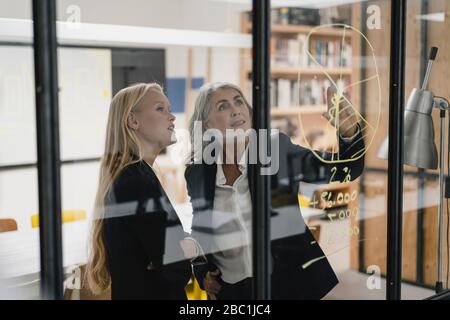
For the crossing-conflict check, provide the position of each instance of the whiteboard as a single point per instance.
(85, 83)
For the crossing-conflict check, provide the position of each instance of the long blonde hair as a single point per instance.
(122, 148)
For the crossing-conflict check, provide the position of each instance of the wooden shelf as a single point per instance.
(291, 72)
(321, 31)
(302, 29)
(294, 111)
(288, 72)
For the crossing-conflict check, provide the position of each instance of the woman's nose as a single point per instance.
(235, 111)
(172, 117)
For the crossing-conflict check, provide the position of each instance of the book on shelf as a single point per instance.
(293, 15)
(284, 93)
(309, 16)
(287, 93)
(293, 52)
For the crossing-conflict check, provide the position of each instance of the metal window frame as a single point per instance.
(395, 161)
(48, 155)
(261, 201)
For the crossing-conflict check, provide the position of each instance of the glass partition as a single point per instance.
(423, 256)
(156, 183)
(187, 206)
(19, 235)
(330, 102)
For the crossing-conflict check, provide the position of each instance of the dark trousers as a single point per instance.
(241, 290)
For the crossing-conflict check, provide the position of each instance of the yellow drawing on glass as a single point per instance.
(339, 101)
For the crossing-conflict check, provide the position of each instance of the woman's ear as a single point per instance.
(132, 121)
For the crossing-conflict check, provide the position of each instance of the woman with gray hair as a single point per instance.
(221, 188)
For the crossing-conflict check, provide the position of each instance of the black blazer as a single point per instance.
(289, 280)
(136, 217)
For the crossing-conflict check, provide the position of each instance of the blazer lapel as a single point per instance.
(210, 172)
(251, 179)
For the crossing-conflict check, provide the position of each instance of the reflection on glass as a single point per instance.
(223, 114)
(329, 103)
(19, 237)
(202, 44)
(328, 69)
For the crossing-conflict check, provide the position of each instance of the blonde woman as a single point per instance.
(222, 191)
(132, 209)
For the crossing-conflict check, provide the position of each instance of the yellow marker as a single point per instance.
(303, 201)
(194, 292)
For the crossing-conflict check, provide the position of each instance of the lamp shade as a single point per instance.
(419, 146)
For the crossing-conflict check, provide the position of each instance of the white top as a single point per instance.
(233, 203)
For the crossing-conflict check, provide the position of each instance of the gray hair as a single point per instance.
(202, 108)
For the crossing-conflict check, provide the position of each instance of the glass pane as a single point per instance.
(19, 234)
(421, 254)
(329, 101)
(154, 218)
(19, 245)
(85, 94)
(18, 115)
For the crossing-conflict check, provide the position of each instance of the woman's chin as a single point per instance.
(167, 142)
(171, 140)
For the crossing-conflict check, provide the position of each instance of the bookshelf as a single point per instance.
(298, 83)
(288, 72)
(297, 29)
(280, 112)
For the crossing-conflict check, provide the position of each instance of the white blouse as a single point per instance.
(233, 204)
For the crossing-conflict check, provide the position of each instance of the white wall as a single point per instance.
(206, 15)
(179, 14)
(84, 79)
(17, 111)
(84, 97)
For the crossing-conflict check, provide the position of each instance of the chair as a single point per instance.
(67, 216)
(8, 225)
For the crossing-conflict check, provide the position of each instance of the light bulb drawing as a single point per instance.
(338, 105)
(339, 101)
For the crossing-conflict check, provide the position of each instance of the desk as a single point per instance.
(19, 251)
(20, 255)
